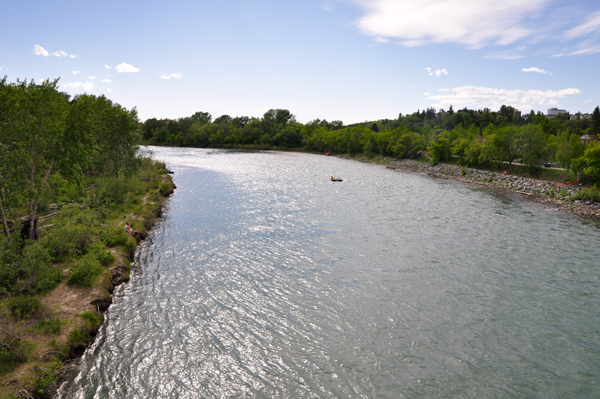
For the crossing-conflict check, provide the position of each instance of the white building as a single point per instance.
(552, 112)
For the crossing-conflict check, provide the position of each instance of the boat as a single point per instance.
(335, 179)
(170, 172)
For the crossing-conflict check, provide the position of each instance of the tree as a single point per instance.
(531, 144)
(596, 121)
(589, 163)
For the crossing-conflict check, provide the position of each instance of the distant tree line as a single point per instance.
(476, 137)
(47, 136)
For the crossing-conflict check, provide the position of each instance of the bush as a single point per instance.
(49, 326)
(12, 352)
(77, 337)
(23, 306)
(91, 320)
(588, 194)
(165, 189)
(84, 271)
(105, 257)
(113, 237)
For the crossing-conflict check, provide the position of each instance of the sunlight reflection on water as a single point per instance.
(265, 279)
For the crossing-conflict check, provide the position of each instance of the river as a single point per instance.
(265, 279)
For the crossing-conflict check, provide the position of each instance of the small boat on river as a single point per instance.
(335, 179)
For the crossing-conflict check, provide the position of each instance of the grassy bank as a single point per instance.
(55, 289)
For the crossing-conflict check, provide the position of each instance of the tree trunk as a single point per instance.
(6, 230)
(33, 212)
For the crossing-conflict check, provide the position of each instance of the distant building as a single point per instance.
(517, 113)
(586, 138)
(574, 116)
(552, 112)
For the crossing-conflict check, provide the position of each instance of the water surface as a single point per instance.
(265, 279)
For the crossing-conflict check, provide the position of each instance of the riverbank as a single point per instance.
(555, 194)
(42, 335)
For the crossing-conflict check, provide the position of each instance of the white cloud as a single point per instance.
(2, 67)
(87, 86)
(39, 50)
(481, 97)
(437, 73)
(588, 101)
(173, 75)
(107, 80)
(121, 68)
(91, 77)
(109, 90)
(107, 67)
(474, 23)
(75, 72)
(538, 70)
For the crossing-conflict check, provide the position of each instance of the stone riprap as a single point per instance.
(542, 191)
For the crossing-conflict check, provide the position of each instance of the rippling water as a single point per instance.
(265, 279)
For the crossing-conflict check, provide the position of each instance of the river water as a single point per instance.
(265, 279)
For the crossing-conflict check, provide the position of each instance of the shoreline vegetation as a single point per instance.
(472, 139)
(71, 176)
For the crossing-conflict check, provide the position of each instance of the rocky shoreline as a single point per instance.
(545, 192)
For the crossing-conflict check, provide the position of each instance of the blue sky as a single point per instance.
(349, 60)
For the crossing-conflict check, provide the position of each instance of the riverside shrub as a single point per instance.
(588, 194)
(23, 306)
(84, 271)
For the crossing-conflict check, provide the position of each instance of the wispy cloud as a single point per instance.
(172, 75)
(109, 90)
(126, 68)
(75, 72)
(503, 56)
(474, 24)
(538, 70)
(437, 73)
(541, 27)
(481, 97)
(591, 25)
(91, 77)
(588, 101)
(86, 86)
(39, 50)
(107, 67)
(326, 6)
(107, 80)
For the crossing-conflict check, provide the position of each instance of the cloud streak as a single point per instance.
(482, 97)
(537, 70)
(172, 75)
(39, 50)
(474, 24)
(437, 73)
(86, 86)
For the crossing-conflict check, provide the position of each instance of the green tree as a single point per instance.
(596, 121)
